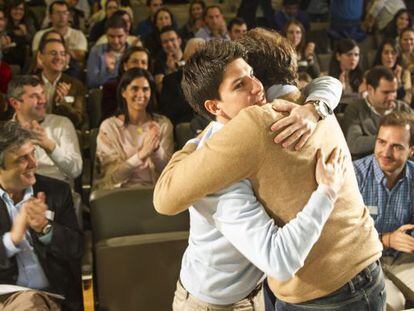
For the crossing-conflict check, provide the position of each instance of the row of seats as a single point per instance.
(137, 252)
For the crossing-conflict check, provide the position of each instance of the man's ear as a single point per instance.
(412, 151)
(212, 106)
(14, 103)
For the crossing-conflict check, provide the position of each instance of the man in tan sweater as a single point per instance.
(344, 260)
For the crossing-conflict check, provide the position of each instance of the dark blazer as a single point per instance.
(60, 259)
(76, 110)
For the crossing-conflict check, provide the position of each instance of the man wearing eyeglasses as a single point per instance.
(75, 40)
(65, 94)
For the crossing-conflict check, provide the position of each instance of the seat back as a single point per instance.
(183, 134)
(94, 107)
(130, 211)
(139, 272)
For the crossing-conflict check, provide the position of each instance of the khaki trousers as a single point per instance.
(399, 281)
(184, 301)
(28, 301)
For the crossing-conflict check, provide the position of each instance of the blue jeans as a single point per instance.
(365, 291)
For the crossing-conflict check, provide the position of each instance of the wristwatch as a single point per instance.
(46, 229)
(322, 108)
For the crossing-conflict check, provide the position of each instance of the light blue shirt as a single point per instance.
(232, 239)
(97, 72)
(31, 273)
(206, 34)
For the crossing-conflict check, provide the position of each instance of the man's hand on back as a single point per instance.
(297, 127)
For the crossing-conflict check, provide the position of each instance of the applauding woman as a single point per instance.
(134, 146)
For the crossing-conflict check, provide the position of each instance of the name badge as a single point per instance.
(373, 210)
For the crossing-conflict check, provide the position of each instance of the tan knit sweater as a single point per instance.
(283, 181)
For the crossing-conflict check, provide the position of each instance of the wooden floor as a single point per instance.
(88, 295)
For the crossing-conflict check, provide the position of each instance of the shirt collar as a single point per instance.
(380, 177)
(28, 192)
(47, 82)
(278, 90)
(375, 111)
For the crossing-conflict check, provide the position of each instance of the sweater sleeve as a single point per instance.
(189, 178)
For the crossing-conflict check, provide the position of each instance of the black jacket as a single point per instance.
(60, 259)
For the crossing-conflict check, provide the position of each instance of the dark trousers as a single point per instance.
(365, 291)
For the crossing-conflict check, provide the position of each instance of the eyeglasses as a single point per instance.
(56, 53)
(61, 13)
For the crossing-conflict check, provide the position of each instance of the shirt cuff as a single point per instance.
(57, 153)
(328, 191)
(47, 238)
(11, 249)
(134, 161)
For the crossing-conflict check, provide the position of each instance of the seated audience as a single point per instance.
(237, 27)
(248, 8)
(75, 40)
(195, 20)
(103, 60)
(346, 17)
(290, 11)
(362, 118)
(214, 25)
(305, 51)
(388, 55)
(172, 101)
(132, 40)
(401, 21)
(162, 18)
(170, 58)
(98, 29)
(65, 95)
(21, 29)
(73, 68)
(57, 147)
(345, 66)
(145, 27)
(406, 43)
(380, 13)
(134, 57)
(134, 146)
(385, 181)
(13, 48)
(41, 244)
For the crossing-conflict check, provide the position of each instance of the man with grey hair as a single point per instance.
(57, 147)
(41, 245)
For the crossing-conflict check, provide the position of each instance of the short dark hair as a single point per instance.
(128, 53)
(126, 79)
(377, 73)
(148, 2)
(400, 119)
(57, 2)
(169, 28)
(12, 136)
(272, 57)
(116, 21)
(235, 21)
(211, 7)
(203, 72)
(16, 85)
(43, 44)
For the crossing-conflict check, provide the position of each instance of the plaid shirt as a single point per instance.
(390, 208)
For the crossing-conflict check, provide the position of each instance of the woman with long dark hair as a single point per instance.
(195, 19)
(345, 66)
(134, 146)
(133, 57)
(388, 55)
(162, 18)
(401, 21)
